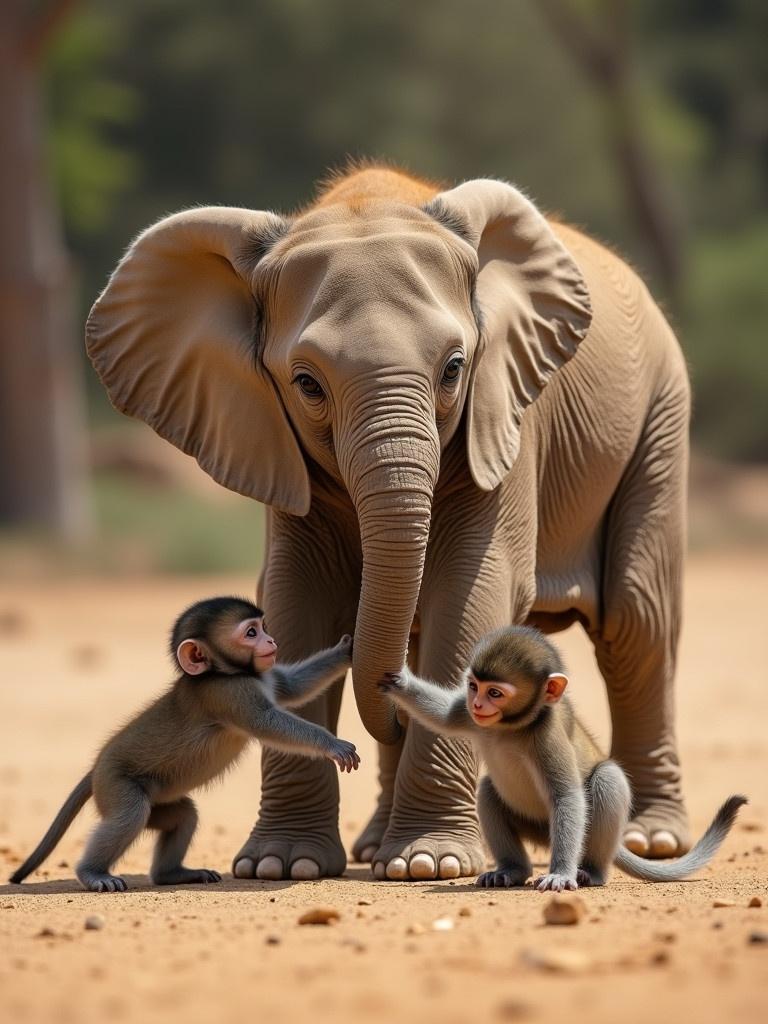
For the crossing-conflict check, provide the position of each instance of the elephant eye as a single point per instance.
(452, 370)
(308, 385)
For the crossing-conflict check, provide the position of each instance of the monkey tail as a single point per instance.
(701, 854)
(72, 806)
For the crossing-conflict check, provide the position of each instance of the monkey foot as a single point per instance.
(431, 856)
(186, 876)
(301, 857)
(586, 877)
(502, 878)
(98, 882)
(658, 832)
(554, 883)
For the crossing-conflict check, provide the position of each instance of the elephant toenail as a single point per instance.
(379, 870)
(397, 869)
(305, 870)
(636, 842)
(663, 844)
(367, 855)
(244, 868)
(449, 867)
(270, 868)
(422, 865)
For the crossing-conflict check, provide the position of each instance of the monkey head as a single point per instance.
(222, 634)
(513, 673)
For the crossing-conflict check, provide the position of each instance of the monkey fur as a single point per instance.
(547, 779)
(194, 732)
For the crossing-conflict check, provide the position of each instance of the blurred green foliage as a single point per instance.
(159, 104)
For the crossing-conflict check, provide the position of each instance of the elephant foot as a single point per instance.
(429, 855)
(273, 854)
(367, 843)
(658, 831)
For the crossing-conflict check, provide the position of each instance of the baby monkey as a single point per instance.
(547, 779)
(227, 693)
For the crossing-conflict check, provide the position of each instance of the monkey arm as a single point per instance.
(294, 685)
(437, 708)
(568, 806)
(247, 708)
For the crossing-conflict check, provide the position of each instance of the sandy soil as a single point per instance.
(78, 656)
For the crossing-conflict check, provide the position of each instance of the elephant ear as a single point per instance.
(172, 338)
(535, 309)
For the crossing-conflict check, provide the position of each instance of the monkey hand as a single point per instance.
(555, 883)
(344, 646)
(392, 683)
(345, 755)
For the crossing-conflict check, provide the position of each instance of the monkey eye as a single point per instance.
(251, 631)
(493, 692)
(473, 687)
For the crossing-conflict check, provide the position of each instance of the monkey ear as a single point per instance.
(556, 684)
(192, 657)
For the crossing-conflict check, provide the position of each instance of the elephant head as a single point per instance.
(353, 336)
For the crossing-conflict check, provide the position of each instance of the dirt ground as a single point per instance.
(79, 656)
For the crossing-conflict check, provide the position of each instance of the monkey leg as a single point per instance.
(501, 829)
(176, 823)
(126, 818)
(609, 800)
(636, 645)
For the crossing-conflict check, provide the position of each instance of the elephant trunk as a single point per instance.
(391, 478)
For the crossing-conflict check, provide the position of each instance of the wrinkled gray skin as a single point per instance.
(311, 364)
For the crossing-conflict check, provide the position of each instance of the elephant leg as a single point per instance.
(297, 832)
(636, 646)
(369, 840)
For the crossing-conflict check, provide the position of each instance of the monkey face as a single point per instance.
(488, 701)
(259, 647)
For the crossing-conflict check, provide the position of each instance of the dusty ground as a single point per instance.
(78, 656)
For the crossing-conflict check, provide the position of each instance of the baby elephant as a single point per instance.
(227, 693)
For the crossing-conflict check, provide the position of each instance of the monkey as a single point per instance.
(547, 780)
(227, 691)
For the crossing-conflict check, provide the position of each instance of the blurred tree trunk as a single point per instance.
(42, 436)
(603, 55)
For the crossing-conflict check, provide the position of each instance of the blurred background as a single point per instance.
(644, 121)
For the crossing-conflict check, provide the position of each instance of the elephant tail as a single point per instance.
(701, 854)
(69, 811)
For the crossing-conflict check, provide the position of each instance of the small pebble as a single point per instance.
(660, 957)
(415, 929)
(442, 924)
(513, 1010)
(320, 915)
(719, 904)
(273, 940)
(717, 925)
(45, 933)
(751, 826)
(63, 864)
(465, 912)
(755, 902)
(758, 938)
(94, 923)
(556, 961)
(667, 937)
(364, 903)
(564, 908)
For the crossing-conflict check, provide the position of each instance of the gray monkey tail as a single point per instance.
(701, 854)
(74, 803)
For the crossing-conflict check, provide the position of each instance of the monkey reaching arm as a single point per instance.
(436, 707)
(295, 685)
